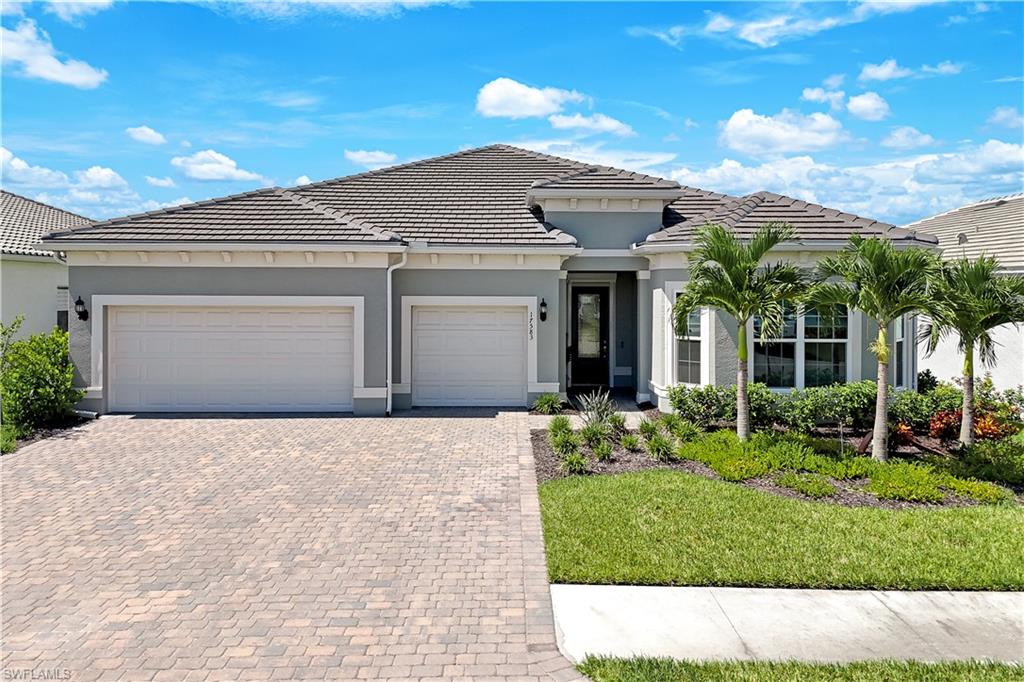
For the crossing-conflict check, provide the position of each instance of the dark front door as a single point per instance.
(589, 351)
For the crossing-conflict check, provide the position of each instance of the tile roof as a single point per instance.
(745, 214)
(992, 227)
(605, 178)
(23, 221)
(272, 214)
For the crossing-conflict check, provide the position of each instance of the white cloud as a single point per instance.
(1008, 79)
(146, 135)
(946, 68)
(907, 137)
(690, 123)
(291, 100)
(834, 82)
(160, 182)
(370, 159)
(771, 31)
(511, 99)
(212, 165)
(786, 132)
(1009, 117)
(834, 98)
(598, 153)
(869, 106)
(671, 36)
(886, 71)
(718, 23)
(17, 171)
(99, 177)
(30, 50)
(598, 123)
(302, 180)
(73, 11)
(289, 10)
(896, 191)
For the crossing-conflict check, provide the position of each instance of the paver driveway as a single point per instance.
(281, 548)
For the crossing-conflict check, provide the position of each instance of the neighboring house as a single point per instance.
(33, 283)
(993, 227)
(484, 277)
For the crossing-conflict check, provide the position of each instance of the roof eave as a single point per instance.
(667, 195)
(110, 245)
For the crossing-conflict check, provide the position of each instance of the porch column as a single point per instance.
(644, 302)
(563, 336)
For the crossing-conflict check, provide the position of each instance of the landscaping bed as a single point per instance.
(667, 670)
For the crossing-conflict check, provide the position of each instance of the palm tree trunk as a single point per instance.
(880, 437)
(967, 413)
(742, 401)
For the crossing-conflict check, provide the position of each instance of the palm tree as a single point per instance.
(972, 298)
(884, 283)
(728, 273)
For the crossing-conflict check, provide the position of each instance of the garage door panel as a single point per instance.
(469, 356)
(231, 359)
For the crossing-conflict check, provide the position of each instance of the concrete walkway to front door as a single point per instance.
(735, 623)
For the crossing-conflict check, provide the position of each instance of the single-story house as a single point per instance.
(993, 227)
(484, 277)
(33, 282)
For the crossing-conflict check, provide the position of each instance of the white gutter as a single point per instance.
(390, 324)
(100, 245)
(660, 246)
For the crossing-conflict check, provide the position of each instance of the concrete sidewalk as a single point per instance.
(728, 623)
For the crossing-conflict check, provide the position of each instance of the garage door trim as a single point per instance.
(101, 302)
(528, 302)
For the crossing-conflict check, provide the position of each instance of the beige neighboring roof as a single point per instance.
(24, 221)
(605, 178)
(993, 227)
(266, 215)
(745, 214)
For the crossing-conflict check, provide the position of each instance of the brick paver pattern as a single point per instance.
(222, 548)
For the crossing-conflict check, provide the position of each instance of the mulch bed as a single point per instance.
(62, 430)
(849, 493)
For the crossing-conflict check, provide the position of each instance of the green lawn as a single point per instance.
(672, 528)
(664, 670)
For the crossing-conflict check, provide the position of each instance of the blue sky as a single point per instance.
(893, 111)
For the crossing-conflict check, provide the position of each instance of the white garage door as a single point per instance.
(248, 359)
(464, 356)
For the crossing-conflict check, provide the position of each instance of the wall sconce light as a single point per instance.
(543, 310)
(80, 310)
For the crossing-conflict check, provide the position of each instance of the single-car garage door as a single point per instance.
(465, 356)
(210, 359)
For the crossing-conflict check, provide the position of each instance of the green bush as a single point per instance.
(565, 443)
(36, 383)
(989, 460)
(982, 491)
(548, 403)
(669, 420)
(703, 405)
(946, 398)
(851, 468)
(841, 404)
(595, 432)
(685, 431)
(926, 381)
(617, 422)
(8, 438)
(812, 485)
(603, 451)
(574, 463)
(905, 481)
(648, 427)
(630, 441)
(659, 446)
(596, 407)
(726, 455)
(559, 424)
(911, 407)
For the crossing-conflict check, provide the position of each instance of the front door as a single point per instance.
(589, 350)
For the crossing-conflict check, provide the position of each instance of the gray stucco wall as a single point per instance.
(370, 283)
(612, 230)
(29, 288)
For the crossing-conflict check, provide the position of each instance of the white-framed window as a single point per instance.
(899, 351)
(812, 349)
(688, 351)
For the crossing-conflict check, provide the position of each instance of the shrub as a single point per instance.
(988, 426)
(648, 428)
(945, 425)
(987, 493)
(548, 403)
(764, 405)
(565, 443)
(812, 485)
(574, 463)
(596, 407)
(659, 446)
(630, 441)
(685, 431)
(8, 438)
(911, 408)
(844, 405)
(669, 420)
(926, 381)
(901, 434)
(851, 468)
(727, 456)
(703, 405)
(617, 422)
(603, 451)
(946, 397)
(1001, 461)
(559, 424)
(36, 382)
(741, 468)
(595, 432)
(905, 481)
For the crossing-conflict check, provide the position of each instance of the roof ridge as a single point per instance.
(980, 202)
(45, 205)
(162, 211)
(335, 215)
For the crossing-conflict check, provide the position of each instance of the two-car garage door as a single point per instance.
(466, 356)
(210, 359)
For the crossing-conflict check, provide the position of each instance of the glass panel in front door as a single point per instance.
(589, 330)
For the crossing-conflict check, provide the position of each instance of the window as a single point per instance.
(899, 350)
(775, 360)
(688, 351)
(825, 347)
(810, 351)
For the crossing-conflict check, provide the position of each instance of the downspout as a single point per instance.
(390, 334)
